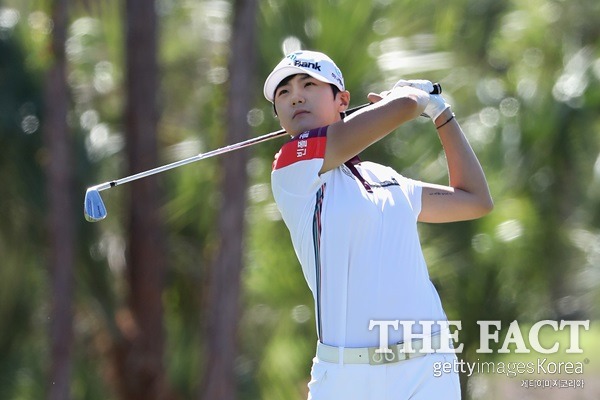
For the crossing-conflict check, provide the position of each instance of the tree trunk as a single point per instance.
(60, 198)
(139, 356)
(224, 283)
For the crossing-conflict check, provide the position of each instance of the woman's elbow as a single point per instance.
(486, 205)
(410, 105)
(417, 105)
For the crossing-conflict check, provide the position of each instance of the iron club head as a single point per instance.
(93, 206)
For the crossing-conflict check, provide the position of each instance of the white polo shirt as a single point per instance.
(354, 231)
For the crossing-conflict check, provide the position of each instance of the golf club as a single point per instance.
(93, 206)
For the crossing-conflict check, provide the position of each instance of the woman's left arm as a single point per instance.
(467, 196)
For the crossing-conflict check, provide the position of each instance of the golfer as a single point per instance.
(353, 225)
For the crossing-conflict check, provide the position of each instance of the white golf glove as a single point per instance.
(437, 104)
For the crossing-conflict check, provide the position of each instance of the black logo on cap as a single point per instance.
(307, 64)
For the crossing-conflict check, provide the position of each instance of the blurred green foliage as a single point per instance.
(522, 76)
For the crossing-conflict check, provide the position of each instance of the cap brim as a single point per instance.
(275, 78)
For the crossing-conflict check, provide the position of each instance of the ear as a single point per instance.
(343, 99)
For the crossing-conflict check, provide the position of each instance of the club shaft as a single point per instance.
(198, 157)
(437, 89)
(202, 156)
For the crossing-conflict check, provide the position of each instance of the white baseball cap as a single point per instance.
(313, 63)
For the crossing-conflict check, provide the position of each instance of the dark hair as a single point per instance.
(334, 89)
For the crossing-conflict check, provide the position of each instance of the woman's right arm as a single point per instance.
(347, 138)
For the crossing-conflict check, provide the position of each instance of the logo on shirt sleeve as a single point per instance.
(306, 146)
(302, 147)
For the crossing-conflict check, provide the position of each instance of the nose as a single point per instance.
(297, 99)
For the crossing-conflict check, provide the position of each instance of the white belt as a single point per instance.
(369, 355)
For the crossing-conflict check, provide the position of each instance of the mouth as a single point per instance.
(299, 112)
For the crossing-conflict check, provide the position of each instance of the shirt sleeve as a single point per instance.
(413, 190)
(295, 178)
(301, 159)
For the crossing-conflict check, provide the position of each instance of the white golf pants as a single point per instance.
(411, 379)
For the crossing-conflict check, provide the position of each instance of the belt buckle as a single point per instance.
(393, 355)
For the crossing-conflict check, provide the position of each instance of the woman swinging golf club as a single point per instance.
(353, 225)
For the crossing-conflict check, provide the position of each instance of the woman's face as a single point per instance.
(305, 103)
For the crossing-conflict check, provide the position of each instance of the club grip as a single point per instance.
(437, 89)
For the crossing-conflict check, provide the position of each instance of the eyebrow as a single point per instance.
(287, 81)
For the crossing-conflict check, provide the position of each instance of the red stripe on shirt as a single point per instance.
(305, 146)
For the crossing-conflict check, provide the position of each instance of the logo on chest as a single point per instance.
(352, 172)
